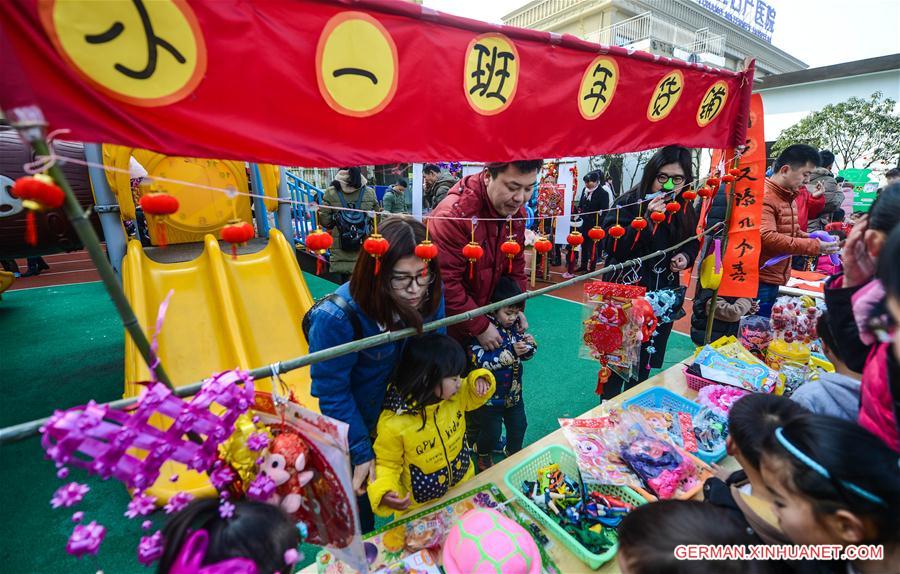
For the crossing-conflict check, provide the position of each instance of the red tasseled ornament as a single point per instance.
(158, 205)
(574, 239)
(510, 248)
(318, 242)
(602, 377)
(236, 232)
(638, 224)
(657, 217)
(426, 251)
(473, 252)
(596, 233)
(376, 246)
(616, 231)
(543, 246)
(37, 192)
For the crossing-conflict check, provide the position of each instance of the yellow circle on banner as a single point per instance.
(665, 96)
(712, 104)
(491, 73)
(598, 86)
(356, 64)
(141, 52)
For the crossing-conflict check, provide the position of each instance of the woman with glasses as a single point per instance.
(407, 292)
(666, 175)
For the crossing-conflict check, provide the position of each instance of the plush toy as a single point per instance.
(285, 464)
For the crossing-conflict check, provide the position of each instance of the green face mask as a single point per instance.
(669, 185)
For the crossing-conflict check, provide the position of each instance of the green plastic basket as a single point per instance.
(566, 461)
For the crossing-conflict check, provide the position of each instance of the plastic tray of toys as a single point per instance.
(695, 382)
(659, 398)
(566, 461)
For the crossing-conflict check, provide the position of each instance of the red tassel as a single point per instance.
(670, 218)
(636, 237)
(655, 227)
(602, 377)
(234, 251)
(161, 233)
(471, 270)
(510, 265)
(320, 263)
(616, 244)
(594, 252)
(571, 253)
(377, 266)
(30, 228)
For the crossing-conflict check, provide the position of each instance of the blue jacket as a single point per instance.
(351, 388)
(503, 363)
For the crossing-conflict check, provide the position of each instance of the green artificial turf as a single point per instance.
(63, 346)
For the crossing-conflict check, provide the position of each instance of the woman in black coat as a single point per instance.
(593, 198)
(671, 165)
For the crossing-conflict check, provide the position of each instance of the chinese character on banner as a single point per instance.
(492, 73)
(740, 261)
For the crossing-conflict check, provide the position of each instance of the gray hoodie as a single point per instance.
(833, 394)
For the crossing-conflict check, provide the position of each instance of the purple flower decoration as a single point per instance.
(226, 510)
(62, 473)
(483, 500)
(258, 441)
(261, 488)
(150, 548)
(69, 495)
(140, 505)
(221, 476)
(85, 539)
(146, 525)
(77, 517)
(178, 502)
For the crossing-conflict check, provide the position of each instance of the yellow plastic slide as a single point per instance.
(224, 314)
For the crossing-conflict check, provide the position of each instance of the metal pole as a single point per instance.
(24, 430)
(107, 207)
(711, 313)
(34, 135)
(283, 215)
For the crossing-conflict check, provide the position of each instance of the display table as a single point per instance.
(672, 379)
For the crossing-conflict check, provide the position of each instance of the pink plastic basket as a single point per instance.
(694, 382)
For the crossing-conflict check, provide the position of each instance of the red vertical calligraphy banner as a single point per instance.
(740, 262)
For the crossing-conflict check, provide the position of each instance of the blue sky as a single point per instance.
(819, 32)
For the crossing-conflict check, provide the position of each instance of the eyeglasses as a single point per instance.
(401, 282)
(664, 177)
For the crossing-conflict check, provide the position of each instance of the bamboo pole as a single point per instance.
(27, 429)
(711, 313)
(34, 135)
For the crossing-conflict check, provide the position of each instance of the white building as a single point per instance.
(788, 98)
(720, 33)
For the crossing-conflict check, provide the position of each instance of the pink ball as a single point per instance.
(485, 541)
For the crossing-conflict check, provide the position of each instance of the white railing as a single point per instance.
(646, 26)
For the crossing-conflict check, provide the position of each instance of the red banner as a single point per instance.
(740, 262)
(348, 83)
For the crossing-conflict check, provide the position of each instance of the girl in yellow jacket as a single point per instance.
(420, 449)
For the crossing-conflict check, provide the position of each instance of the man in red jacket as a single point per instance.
(497, 192)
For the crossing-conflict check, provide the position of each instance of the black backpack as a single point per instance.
(341, 304)
(353, 226)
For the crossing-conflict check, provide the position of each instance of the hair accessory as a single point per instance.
(805, 459)
(150, 548)
(190, 559)
(85, 539)
(69, 495)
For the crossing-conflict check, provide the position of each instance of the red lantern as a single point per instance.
(376, 246)
(689, 194)
(319, 242)
(638, 224)
(596, 233)
(734, 171)
(727, 178)
(473, 252)
(426, 251)
(574, 239)
(657, 217)
(510, 248)
(37, 192)
(713, 182)
(705, 192)
(543, 246)
(671, 208)
(158, 205)
(616, 231)
(235, 232)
